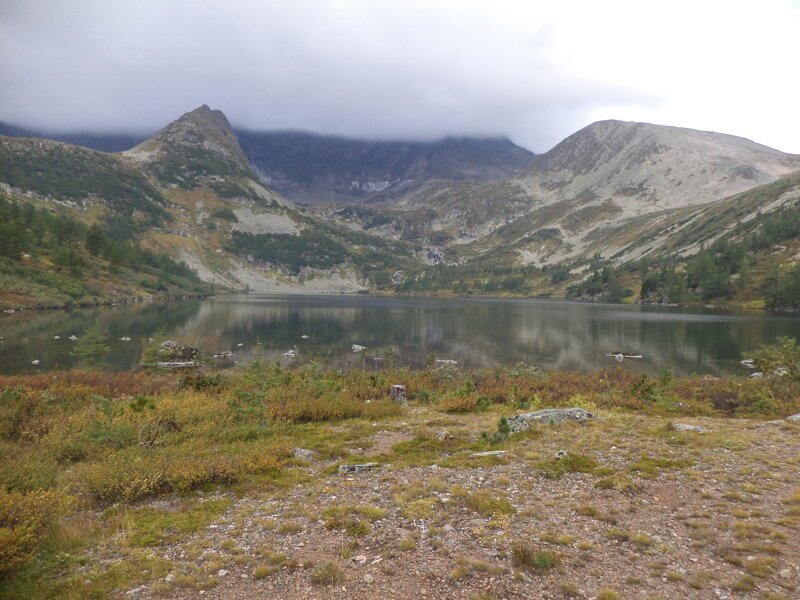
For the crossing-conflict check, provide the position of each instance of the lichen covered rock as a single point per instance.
(550, 416)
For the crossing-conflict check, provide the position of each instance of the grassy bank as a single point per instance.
(109, 481)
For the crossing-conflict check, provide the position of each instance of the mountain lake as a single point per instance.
(475, 332)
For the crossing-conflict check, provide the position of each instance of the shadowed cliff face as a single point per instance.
(310, 168)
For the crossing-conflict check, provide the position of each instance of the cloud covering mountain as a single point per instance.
(404, 70)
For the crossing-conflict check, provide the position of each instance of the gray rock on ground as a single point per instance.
(304, 454)
(398, 394)
(687, 427)
(357, 468)
(794, 418)
(550, 416)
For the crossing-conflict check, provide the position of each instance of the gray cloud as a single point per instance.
(378, 69)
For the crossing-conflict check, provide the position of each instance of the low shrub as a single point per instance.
(489, 503)
(328, 573)
(526, 556)
(25, 521)
(355, 520)
(570, 463)
(130, 475)
(457, 403)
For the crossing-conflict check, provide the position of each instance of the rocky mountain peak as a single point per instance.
(200, 143)
(669, 166)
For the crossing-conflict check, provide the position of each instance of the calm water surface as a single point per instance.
(475, 332)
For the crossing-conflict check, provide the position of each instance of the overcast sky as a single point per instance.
(410, 69)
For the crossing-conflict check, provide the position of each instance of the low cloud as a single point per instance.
(411, 69)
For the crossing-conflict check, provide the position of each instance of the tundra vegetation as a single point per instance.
(174, 483)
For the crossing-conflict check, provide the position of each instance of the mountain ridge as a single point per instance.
(311, 168)
(482, 208)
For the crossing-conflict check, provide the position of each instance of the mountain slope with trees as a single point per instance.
(688, 209)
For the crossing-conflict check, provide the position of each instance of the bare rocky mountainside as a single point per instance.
(297, 212)
(609, 173)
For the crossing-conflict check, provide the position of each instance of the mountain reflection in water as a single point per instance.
(475, 332)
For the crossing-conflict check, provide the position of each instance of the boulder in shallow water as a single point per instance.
(172, 351)
(550, 416)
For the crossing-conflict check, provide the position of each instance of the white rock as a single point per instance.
(687, 427)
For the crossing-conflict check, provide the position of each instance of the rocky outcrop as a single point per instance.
(550, 416)
(174, 355)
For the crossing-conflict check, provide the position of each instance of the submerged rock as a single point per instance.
(178, 364)
(550, 416)
(446, 361)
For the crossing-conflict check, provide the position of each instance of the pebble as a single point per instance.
(222, 572)
(368, 578)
